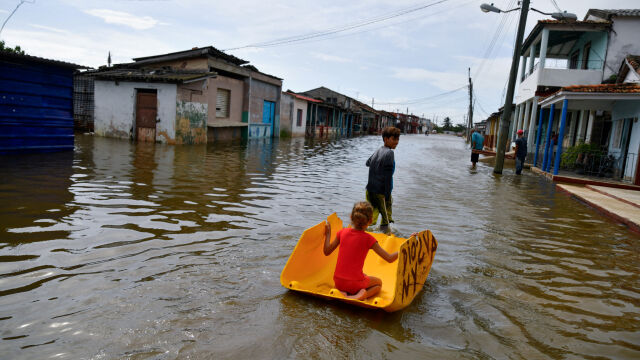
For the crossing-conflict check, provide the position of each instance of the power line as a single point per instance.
(298, 38)
(424, 99)
(497, 38)
(13, 12)
(556, 5)
(380, 27)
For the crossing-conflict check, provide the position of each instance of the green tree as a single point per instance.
(447, 124)
(459, 128)
(16, 50)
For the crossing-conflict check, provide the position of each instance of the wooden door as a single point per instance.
(146, 113)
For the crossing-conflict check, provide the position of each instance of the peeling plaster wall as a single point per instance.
(115, 109)
(191, 122)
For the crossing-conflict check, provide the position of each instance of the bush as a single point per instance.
(284, 134)
(572, 155)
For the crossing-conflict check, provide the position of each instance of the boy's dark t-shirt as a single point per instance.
(381, 166)
(522, 148)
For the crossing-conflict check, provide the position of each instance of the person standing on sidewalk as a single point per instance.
(477, 144)
(381, 165)
(521, 151)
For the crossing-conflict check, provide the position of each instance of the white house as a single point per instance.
(152, 105)
(293, 112)
(558, 54)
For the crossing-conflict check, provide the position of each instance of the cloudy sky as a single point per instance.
(397, 54)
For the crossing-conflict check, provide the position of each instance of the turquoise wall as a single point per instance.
(598, 48)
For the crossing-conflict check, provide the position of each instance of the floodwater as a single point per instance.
(125, 251)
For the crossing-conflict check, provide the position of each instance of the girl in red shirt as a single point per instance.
(354, 245)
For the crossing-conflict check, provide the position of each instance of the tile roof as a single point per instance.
(302, 97)
(603, 88)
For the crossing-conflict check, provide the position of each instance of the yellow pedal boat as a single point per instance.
(309, 271)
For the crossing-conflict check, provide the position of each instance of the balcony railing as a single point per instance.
(575, 65)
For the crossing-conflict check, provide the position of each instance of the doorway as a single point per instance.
(146, 114)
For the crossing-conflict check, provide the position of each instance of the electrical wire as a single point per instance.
(404, 21)
(14, 11)
(556, 5)
(424, 99)
(299, 38)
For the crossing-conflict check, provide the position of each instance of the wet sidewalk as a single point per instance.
(622, 205)
(615, 199)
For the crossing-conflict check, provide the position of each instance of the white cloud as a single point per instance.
(81, 48)
(123, 18)
(49, 28)
(330, 58)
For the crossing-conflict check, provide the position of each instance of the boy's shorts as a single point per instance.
(351, 286)
(475, 157)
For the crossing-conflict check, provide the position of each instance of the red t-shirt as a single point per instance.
(354, 246)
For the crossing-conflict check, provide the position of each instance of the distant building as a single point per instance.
(37, 104)
(166, 106)
(293, 113)
(242, 102)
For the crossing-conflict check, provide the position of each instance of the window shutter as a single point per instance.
(222, 103)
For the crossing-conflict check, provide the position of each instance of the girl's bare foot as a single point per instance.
(360, 295)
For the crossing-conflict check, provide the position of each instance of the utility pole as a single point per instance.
(470, 116)
(505, 120)
(372, 101)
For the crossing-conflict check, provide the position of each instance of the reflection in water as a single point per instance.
(123, 250)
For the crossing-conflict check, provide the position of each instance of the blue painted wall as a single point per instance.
(598, 50)
(36, 106)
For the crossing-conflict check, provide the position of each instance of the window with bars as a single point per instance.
(222, 103)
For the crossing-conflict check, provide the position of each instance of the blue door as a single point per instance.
(268, 117)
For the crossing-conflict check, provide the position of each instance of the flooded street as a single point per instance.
(148, 251)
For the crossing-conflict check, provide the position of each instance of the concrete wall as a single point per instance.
(623, 41)
(299, 130)
(287, 114)
(261, 91)
(324, 93)
(568, 77)
(115, 108)
(186, 64)
(236, 88)
(597, 52)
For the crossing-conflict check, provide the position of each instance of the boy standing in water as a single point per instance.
(381, 167)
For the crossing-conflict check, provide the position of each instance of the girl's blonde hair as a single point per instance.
(361, 215)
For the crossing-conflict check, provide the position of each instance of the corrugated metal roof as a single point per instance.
(609, 13)
(144, 75)
(195, 52)
(9, 56)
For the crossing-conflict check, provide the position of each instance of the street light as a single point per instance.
(505, 120)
